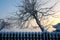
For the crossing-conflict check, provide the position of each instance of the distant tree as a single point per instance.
(3, 24)
(29, 10)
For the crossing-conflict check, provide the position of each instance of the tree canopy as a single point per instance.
(31, 9)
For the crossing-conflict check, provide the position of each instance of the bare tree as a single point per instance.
(28, 10)
(3, 24)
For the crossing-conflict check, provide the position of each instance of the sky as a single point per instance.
(7, 7)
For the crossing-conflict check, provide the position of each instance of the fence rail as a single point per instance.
(29, 35)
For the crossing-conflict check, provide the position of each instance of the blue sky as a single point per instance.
(7, 7)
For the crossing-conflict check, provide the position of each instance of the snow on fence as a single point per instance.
(29, 35)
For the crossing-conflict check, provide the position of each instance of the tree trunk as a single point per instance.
(38, 22)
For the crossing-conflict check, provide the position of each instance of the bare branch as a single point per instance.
(41, 4)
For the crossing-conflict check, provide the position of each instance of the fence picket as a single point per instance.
(29, 35)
